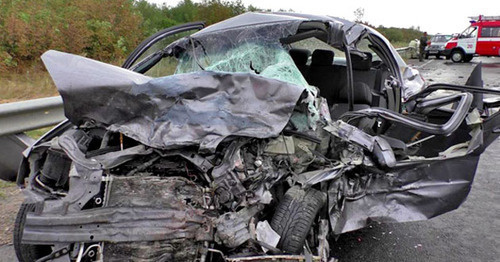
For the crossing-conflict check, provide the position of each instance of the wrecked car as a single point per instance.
(259, 138)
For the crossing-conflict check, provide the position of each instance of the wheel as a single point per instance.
(26, 252)
(457, 56)
(294, 217)
(467, 58)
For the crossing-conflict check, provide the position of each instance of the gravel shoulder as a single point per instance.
(10, 200)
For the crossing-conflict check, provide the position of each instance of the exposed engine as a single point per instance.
(186, 206)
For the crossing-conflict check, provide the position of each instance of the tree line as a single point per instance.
(393, 34)
(106, 30)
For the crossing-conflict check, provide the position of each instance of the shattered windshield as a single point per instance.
(266, 59)
(254, 49)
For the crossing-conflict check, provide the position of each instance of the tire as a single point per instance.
(426, 56)
(467, 58)
(294, 217)
(26, 252)
(457, 56)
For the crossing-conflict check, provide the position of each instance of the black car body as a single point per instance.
(254, 149)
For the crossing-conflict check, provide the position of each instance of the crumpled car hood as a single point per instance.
(200, 108)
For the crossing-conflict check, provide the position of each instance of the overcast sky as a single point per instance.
(438, 16)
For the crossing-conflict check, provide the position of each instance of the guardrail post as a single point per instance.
(11, 149)
(18, 117)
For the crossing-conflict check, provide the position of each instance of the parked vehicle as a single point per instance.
(436, 46)
(259, 138)
(481, 38)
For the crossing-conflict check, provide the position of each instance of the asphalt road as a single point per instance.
(470, 233)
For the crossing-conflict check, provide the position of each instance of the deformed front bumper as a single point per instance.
(142, 219)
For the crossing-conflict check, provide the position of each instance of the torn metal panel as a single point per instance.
(416, 193)
(491, 131)
(380, 148)
(188, 109)
(70, 144)
(315, 177)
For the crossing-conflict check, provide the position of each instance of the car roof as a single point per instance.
(259, 18)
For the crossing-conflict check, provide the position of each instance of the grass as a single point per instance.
(37, 133)
(23, 86)
(400, 44)
(30, 82)
(5, 184)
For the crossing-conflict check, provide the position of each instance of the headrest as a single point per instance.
(322, 57)
(361, 61)
(299, 56)
(362, 94)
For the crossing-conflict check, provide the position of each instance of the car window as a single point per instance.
(258, 57)
(312, 44)
(470, 32)
(364, 46)
(167, 65)
(490, 32)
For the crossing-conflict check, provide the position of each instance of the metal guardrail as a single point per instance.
(18, 117)
(406, 51)
(27, 115)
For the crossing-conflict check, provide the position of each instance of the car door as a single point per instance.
(155, 44)
(467, 40)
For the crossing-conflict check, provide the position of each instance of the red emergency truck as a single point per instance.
(481, 38)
